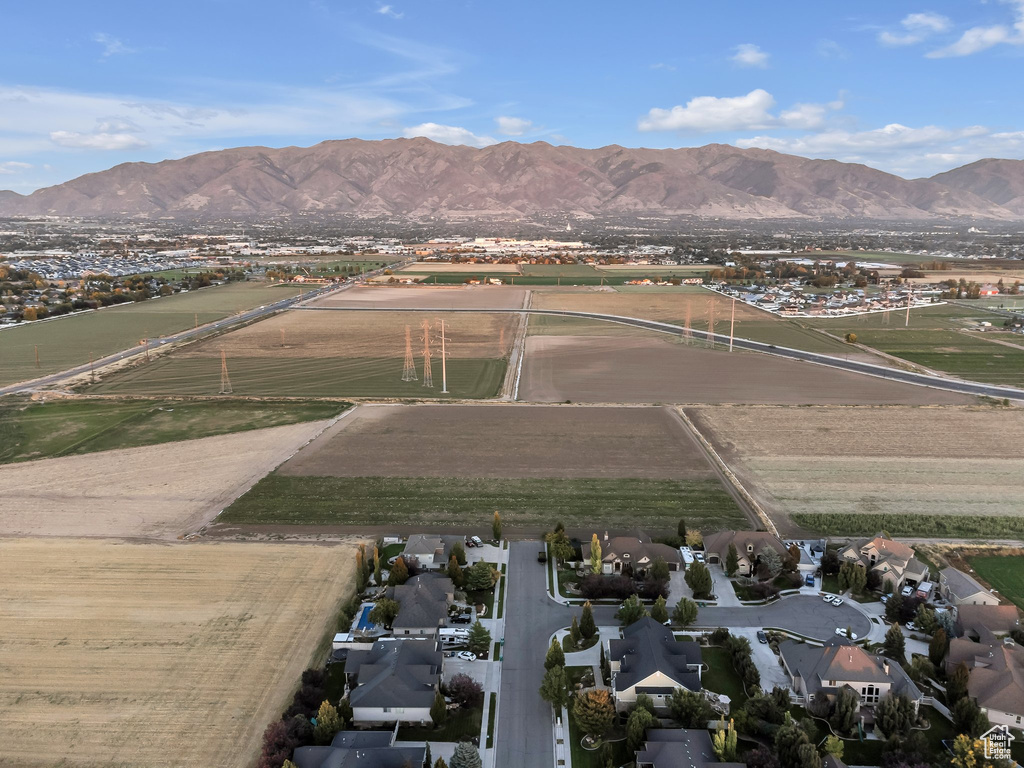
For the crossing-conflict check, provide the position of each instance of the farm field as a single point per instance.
(634, 369)
(156, 654)
(440, 298)
(453, 465)
(1005, 573)
(850, 470)
(36, 430)
(75, 339)
(440, 267)
(155, 491)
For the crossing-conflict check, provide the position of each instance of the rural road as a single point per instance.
(892, 374)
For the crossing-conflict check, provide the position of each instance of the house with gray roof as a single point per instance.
(423, 603)
(679, 748)
(361, 749)
(648, 659)
(393, 682)
(818, 672)
(431, 551)
(960, 588)
(996, 681)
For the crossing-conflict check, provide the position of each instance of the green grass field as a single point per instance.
(302, 377)
(931, 526)
(64, 427)
(75, 339)
(1004, 573)
(655, 505)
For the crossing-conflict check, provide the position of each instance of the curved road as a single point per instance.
(868, 369)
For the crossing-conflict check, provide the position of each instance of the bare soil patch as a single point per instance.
(159, 491)
(120, 654)
(668, 307)
(652, 370)
(510, 441)
(429, 296)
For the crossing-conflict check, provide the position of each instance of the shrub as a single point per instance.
(597, 587)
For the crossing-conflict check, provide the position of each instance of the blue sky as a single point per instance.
(911, 88)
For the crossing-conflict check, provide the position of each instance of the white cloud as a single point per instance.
(977, 39)
(99, 140)
(14, 166)
(111, 45)
(448, 134)
(513, 126)
(707, 114)
(750, 55)
(663, 65)
(830, 49)
(917, 27)
(387, 10)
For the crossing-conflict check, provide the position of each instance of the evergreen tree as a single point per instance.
(588, 628)
(698, 578)
(594, 711)
(328, 723)
(691, 709)
(574, 633)
(895, 645)
(344, 712)
(968, 718)
(681, 529)
(732, 560)
(496, 527)
(685, 613)
(438, 710)
(636, 728)
(459, 552)
(427, 757)
(480, 576)
(658, 611)
(466, 756)
(788, 740)
(937, 647)
(479, 641)
(632, 611)
(724, 741)
(399, 573)
(956, 686)
(833, 746)
(606, 668)
(894, 715)
(561, 547)
(554, 688)
(555, 656)
(376, 567)
(384, 612)
(659, 569)
(360, 570)
(455, 572)
(843, 717)
(595, 554)
(643, 701)
(440, 763)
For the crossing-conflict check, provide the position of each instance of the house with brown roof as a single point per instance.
(818, 672)
(996, 676)
(892, 560)
(997, 619)
(959, 588)
(638, 553)
(748, 546)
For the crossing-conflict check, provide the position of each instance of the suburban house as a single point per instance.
(997, 619)
(423, 603)
(637, 553)
(432, 552)
(891, 560)
(997, 676)
(823, 671)
(748, 546)
(393, 682)
(679, 748)
(648, 659)
(361, 749)
(959, 588)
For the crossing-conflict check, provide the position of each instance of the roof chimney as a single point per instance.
(606, 535)
(885, 667)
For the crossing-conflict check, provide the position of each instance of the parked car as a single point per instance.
(809, 579)
(841, 631)
(460, 619)
(907, 591)
(762, 637)
(542, 556)
(911, 626)
(828, 598)
(466, 655)
(884, 599)
(477, 541)
(837, 600)
(469, 543)
(698, 556)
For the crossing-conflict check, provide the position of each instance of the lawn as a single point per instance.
(303, 377)
(78, 338)
(655, 505)
(461, 725)
(1005, 574)
(720, 676)
(64, 427)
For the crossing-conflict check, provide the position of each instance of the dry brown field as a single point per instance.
(668, 307)
(157, 491)
(938, 460)
(627, 369)
(441, 267)
(428, 296)
(1008, 276)
(153, 655)
(503, 441)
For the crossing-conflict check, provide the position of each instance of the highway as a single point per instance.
(868, 369)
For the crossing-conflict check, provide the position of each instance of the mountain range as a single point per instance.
(417, 178)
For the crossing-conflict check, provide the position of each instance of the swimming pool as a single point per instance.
(364, 619)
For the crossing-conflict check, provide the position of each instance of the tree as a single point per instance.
(956, 686)
(595, 554)
(732, 560)
(858, 579)
(681, 529)
(588, 628)
(770, 561)
(365, 561)
(479, 641)
(685, 613)
(843, 717)
(921, 669)
(925, 620)
(895, 716)
(643, 701)
(690, 709)
(555, 656)
(384, 612)
(724, 741)
(439, 709)
(496, 527)
(465, 691)
(459, 552)
(561, 547)
(659, 569)
(465, 756)
(833, 746)
(440, 763)
(606, 669)
(895, 645)
(968, 718)
(658, 611)
(328, 723)
(937, 647)
(360, 569)
(574, 633)
(481, 576)
(554, 688)
(830, 562)
(376, 567)
(792, 560)
(345, 712)
(399, 572)
(632, 611)
(698, 578)
(894, 608)
(636, 727)
(594, 712)
(455, 572)
(762, 757)
(851, 338)
(788, 742)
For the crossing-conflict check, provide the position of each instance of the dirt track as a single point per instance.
(158, 491)
(620, 369)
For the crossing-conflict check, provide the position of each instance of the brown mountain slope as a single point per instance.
(998, 181)
(418, 177)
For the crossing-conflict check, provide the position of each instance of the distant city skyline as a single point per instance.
(912, 89)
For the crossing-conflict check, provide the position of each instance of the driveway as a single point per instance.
(767, 662)
(723, 588)
(802, 614)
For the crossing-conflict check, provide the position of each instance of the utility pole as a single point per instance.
(687, 333)
(444, 363)
(197, 320)
(910, 298)
(711, 322)
(732, 323)
(37, 355)
(225, 380)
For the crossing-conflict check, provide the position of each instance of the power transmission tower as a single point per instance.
(409, 372)
(711, 323)
(444, 362)
(225, 380)
(428, 376)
